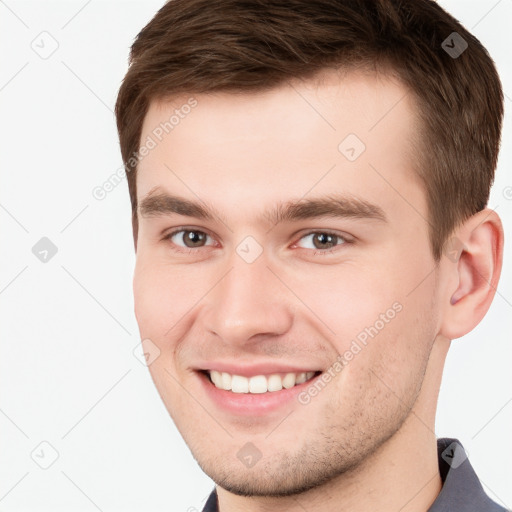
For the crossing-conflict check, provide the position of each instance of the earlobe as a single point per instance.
(475, 272)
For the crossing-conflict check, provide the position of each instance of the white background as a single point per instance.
(68, 373)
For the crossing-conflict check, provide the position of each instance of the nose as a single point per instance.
(247, 303)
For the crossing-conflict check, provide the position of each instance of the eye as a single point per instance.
(323, 241)
(188, 238)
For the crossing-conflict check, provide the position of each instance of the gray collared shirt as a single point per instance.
(461, 491)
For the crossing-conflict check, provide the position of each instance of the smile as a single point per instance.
(258, 383)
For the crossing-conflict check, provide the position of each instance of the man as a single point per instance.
(309, 183)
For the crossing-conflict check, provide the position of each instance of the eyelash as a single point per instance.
(346, 240)
(336, 248)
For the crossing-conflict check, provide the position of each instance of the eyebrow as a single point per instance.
(157, 204)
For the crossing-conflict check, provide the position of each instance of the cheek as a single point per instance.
(348, 299)
(165, 297)
(161, 304)
(157, 298)
(376, 317)
(394, 358)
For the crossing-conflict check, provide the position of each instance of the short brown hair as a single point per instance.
(196, 46)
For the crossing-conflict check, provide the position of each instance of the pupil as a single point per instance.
(323, 238)
(194, 238)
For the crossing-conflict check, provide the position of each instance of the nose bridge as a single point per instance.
(248, 300)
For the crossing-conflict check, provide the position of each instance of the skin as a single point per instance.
(367, 440)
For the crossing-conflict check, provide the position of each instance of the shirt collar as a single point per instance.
(462, 490)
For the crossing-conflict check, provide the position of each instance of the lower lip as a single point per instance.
(251, 404)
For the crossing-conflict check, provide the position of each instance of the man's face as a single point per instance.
(250, 292)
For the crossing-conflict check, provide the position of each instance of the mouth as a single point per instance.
(258, 384)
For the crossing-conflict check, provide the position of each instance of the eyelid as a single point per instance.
(169, 234)
(347, 239)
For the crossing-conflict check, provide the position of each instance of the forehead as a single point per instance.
(343, 132)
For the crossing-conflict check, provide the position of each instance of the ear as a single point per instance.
(474, 258)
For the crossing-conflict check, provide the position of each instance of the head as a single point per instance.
(309, 183)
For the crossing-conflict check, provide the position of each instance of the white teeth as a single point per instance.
(289, 381)
(258, 383)
(216, 378)
(274, 383)
(239, 384)
(301, 377)
(225, 381)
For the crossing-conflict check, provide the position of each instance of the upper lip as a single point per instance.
(255, 369)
